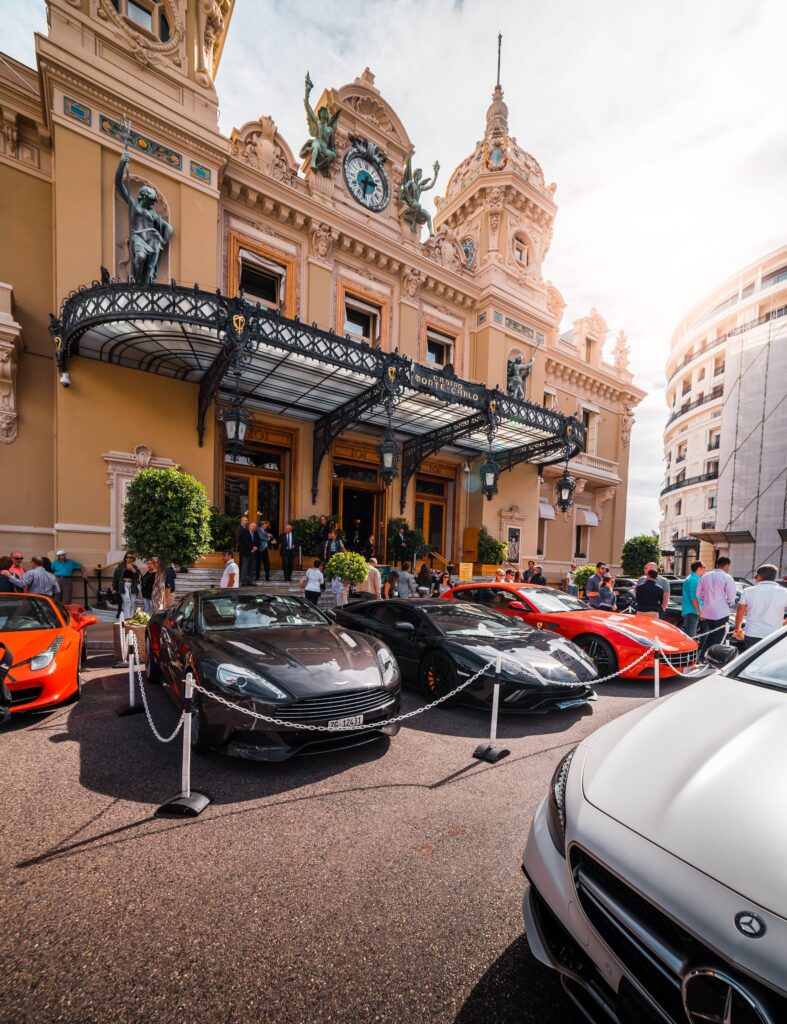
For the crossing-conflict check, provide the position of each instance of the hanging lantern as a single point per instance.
(389, 456)
(564, 491)
(236, 421)
(490, 473)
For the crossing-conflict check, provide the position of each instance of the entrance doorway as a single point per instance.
(255, 486)
(431, 504)
(356, 505)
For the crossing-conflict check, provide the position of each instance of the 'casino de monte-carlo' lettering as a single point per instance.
(441, 384)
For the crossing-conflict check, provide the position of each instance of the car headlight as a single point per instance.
(641, 640)
(45, 658)
(387, 665)
(240, 680)
(556, 803)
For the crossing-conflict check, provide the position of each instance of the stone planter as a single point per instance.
(139, 632)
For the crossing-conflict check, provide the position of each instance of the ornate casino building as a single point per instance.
(283, 318)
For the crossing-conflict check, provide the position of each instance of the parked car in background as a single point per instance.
(657, 882)
(279, 656)
(438, 644)
(614, 641)
(47, 640)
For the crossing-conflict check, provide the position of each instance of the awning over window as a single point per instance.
(586, 517)
(545, 510)
(687, 542)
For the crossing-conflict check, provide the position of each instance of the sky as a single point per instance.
(662, 122)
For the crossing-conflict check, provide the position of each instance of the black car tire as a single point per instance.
(199, 729)
(152, 669)
(601, 653)
(437, 676)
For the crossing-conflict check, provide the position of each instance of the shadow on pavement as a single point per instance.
(517, 989)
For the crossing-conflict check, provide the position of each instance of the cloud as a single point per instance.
(660, 122)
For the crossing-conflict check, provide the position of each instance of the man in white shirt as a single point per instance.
(231, 575)
(313, 581)
(764, 606)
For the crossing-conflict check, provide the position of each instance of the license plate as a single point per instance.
(571, 703)
(339, 723)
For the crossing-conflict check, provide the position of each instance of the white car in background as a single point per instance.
(658, 860)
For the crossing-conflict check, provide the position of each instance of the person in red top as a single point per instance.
(16, 564)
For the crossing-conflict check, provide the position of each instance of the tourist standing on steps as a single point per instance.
(370, 589)
(288, 545)
(313, 581)
(246, 544)
(231, 576)
(63, 568)
(264, 538)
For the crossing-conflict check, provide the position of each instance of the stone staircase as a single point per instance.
(197, 578)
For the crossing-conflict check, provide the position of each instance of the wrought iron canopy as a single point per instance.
(294, 369)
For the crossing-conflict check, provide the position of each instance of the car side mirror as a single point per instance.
(719, 655)
(83, 621)
(516, 606)
(405, 627)
(329, 613)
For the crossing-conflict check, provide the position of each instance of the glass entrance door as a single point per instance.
(430, 512)
(257, 493)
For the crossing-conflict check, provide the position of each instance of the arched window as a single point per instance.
(148, 15)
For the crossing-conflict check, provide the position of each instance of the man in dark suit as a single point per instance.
(288, 545)
(263, 537)
(322, 535)
(245, 542)
(400, 547)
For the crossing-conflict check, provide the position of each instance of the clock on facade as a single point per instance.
(365, 176)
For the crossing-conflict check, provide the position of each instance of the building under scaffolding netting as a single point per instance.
(725, 442)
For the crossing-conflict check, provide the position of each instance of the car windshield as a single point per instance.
(546, 599)
(768, 667)
(471, 620)
(22, 612)
(257, 611)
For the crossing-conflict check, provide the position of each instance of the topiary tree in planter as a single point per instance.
(490, 551)
(346, 566)
(168, 518)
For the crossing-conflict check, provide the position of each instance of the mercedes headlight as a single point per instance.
(556, 803)
(635, 637)
(387, 665)
(241, 680)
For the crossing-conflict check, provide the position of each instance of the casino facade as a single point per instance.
(309, 331)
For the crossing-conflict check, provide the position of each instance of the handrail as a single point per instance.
(712, 396)
(701, 479)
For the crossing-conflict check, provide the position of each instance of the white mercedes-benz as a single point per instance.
(657, 862)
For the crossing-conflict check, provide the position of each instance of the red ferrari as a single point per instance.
(614, 641)
(47, 642)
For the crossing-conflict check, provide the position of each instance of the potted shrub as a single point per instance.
(167, 517)
(582, 575)
(347, 566)
(491, 552)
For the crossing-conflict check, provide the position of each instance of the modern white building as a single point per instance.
(725, 442)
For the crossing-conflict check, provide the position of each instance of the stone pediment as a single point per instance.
(362, 99)
(261, 145)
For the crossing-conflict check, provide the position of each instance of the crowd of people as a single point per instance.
(43, 576)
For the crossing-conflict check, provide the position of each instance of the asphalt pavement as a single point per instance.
(381, 884)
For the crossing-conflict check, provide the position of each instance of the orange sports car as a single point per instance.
(615, 642)
(47, 642)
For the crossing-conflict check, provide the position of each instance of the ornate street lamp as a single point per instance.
(564, 491)
(236, 420)
(389, 456)
(490, 474)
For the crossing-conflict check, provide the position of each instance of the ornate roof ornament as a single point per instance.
(497, 114)
(621, 352)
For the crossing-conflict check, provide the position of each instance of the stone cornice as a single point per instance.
(520, 194)
(592, 380)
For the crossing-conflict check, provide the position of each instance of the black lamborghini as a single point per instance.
(438, 644)
(281, 657)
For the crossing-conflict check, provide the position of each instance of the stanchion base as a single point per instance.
(181, 806)
(129, 709)
(490, 753)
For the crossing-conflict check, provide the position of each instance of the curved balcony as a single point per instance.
(687, 407)
(688, 482)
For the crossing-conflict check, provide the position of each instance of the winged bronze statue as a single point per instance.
(320, 148)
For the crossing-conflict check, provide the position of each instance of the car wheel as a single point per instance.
(152, 669)
(199, 730)
(438, 676)
(600, 653)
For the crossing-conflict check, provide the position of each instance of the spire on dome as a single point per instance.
(497, 115)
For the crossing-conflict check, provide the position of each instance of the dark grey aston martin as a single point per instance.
(280, 656)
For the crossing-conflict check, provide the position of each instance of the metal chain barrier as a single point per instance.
(716, 629)
(151, 723)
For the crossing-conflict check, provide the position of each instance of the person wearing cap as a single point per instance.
(63, 568)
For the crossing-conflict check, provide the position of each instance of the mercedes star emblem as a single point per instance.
(712, 997)
(750, 925)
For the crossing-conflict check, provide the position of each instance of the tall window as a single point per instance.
(148, 15)
(361, 320)
(712, 468)
(678, 507)
(439, 348)
(712, 498)
(589, 423)
(521, 250)
(261, 279)
(718, 366)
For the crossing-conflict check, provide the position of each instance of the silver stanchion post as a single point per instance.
(490, 752)
(132, 708)
(657, 668)
(188, 803)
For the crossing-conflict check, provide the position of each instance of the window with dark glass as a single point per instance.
(361, 320)
(261, 280)
(439, 348)
(359, 474)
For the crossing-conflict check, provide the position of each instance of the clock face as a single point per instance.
(366, 180)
